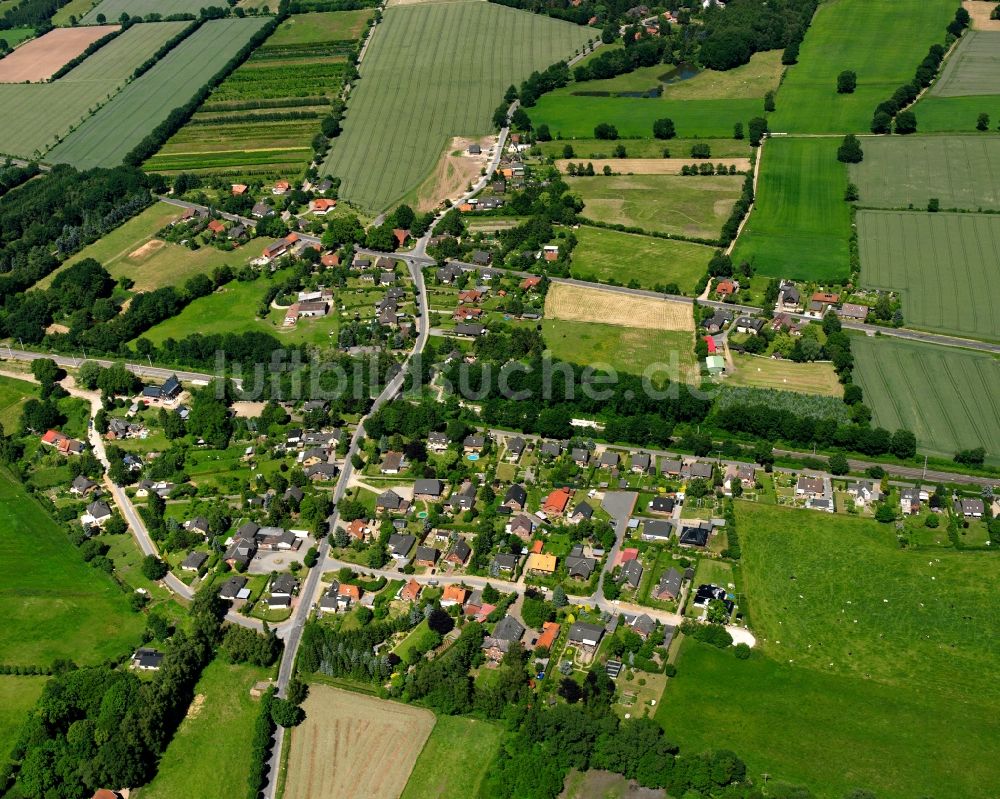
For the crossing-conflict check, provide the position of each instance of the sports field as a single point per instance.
(38, 114)
(942, 264)
(681, 205)
(17, 696)
(629, 350)
(800, 225)
(55, 605)
(590, 149)
(950, 398)
(454, 760)
(113, 9)
(40, 58)
(607, 306)
(974, 67)
(960, 171)
(133, 251)
(806, 378)
(412, 97)
(878, 662)
(105, 138)
(352, 744)
(261, 121)
(572, 117)
(220, 720)
(604, 255)
(881, 40)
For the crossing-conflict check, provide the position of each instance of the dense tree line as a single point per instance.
(12, 176)
(337, 653)
(102, 726)
(641, 53)
(735, 32)
(166, 47)
(35, 14)
(61, 212)
(92, 48)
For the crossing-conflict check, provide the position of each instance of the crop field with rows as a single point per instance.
(261, 120)
(413, 97)
(39, 114)
(106, 137)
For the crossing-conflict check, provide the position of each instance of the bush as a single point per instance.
(285, 713)
(742, 651)
(847, 82)
(664, 129)
(153, 568)
(670, 670)
(605, 131)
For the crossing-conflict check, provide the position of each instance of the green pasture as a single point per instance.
(604, 255)
(113, 9)
(413, 97)
(17, 696)
(956, 114)
(628, 350)
(39, 114)
(55, 605)
(645, 148)
(74, 8)
(900, 171)
(221, 722)
(905, 252)
(13, 394)
(677, 204)
(454, 759)
(570, 117)
(974, 67)
(15, 36)
(947, 396)
(106, 137)
(830, 732)
(883, 41)
(800, 225)
(325, 26)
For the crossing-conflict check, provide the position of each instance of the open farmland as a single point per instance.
(576, 117)
(955, 114)
(412, 98)
(351, 744)
(950, 398)
(806, 378)
(574, 303)
(221, 721)
(262, 119)
(40, 114)
(454, 760)
(942, 265)
(890, 659)
(605, 255)
(113, 9)
(974, 67)
(681, 205)
(855, 34)
(800, 225)
(960, 171)
(40, 58)
(106, 137)
(629, 350)
(55, 605)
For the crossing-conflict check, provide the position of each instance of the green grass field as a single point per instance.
(627, 350)
(571, 117)
(602, 255)
(830, 732)
(681, 205)
(905, 252)
(17, 696)
(645, 148)
(221, 723)
(956, 114)
(454, 760)
(13, 394)
(974, 67)
(113, 9)
(800, 225)
(320, 28)
(15, 36)
(900, 171)
(41, 113)
(817, 377)
(883, 41)
(105, 138)
(946, 396)
(413, 97)
(74, 8)
(55, 605)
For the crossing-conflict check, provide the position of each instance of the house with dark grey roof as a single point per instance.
(643, 625)
(515, 448)
(669, 586)
(515, 498)
(671, 468)
(581, 456)
(508, 629)
(664, 505)
(749, 324)
(551, 449)
(700, 470)
(583, 511)
(425, 556)
(81, 485)
(658, 530)
(437, 442)
(464, 498)
(284, 585)
(427, 488)
(522, 526)
(400, 545)
(391, 501)
(583, 634)
(504, 562)
(459, 553)
(640, 462)
(970, 508)
(632, 572)
(609, 459)
(194, 561)
(232, 587)
(468, 329)
(474, 442)
(695, 535)
(578, 565)
(147, 659)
